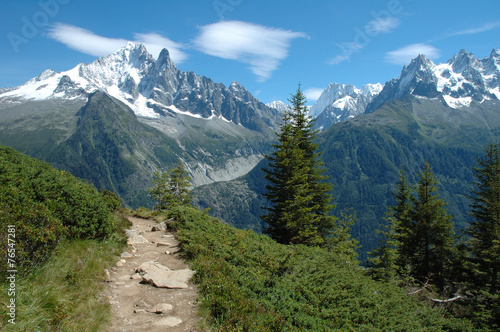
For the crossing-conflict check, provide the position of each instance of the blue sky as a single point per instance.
(268, 46)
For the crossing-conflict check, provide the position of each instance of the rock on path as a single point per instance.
(149, 289)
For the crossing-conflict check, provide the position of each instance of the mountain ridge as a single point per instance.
(151, 88)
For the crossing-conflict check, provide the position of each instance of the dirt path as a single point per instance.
(141, 306)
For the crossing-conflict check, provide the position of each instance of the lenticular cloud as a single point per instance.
(87, 42)
(259, 46)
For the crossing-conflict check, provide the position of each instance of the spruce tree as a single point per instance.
(433, 234)
(419, 238)
(391, 257)
(401, 219)
(484, 230)
(299, 197)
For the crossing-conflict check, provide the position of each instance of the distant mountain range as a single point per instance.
(117, 119)
(457, 83)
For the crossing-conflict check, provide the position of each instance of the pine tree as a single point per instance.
(419, 238)
(391, 257)
(401, 220)
(433, 233)
(299, 197)
(171, 188)
(340, 241)
(484, 231)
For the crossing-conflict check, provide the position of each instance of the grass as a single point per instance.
(65, 293)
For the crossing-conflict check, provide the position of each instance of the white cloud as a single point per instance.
(87, 42)
(313, 94)
(338, 59)
(404, 54)
(383, 25)
(483, 28)
(261, 47)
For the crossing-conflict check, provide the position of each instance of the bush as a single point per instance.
(46, 206)
(248, 282)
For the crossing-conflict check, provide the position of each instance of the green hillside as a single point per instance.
(58, 233)
(248, 282)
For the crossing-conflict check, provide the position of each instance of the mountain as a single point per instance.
(339, 102)
(457, 83)
(116, 119)
(416, 120)
(277, 105)
(151, 88)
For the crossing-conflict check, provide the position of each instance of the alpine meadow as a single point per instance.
(369, 208)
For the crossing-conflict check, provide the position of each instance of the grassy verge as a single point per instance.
(64, 293)
(248, 282)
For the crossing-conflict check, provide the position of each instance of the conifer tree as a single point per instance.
(419, 234)
(299, 197)
(180, 184)
(484, 230)
(340, 242)
(392, 255)
(401, 220)
(171, 188)
(433, 233)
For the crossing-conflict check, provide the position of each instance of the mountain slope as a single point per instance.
(113, 150)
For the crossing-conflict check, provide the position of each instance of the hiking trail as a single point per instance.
(149, 288)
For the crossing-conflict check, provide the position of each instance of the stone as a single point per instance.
(163, 244)
(169, 321)
(121, 262)
(161, 308)
(162, 277)
(159, 227)
(108, 275)
(136, 276)
(134, 238)
(126, 255)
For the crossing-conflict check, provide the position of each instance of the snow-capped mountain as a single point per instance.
(151, 88)
(277, 105)
(115, 120)
(339, 102)
(458, 82)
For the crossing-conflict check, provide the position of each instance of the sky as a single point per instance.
(270, 47)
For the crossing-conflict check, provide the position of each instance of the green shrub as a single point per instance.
(248, 282)
(46, 206)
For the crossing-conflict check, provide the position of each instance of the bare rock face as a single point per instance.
(161, 276)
